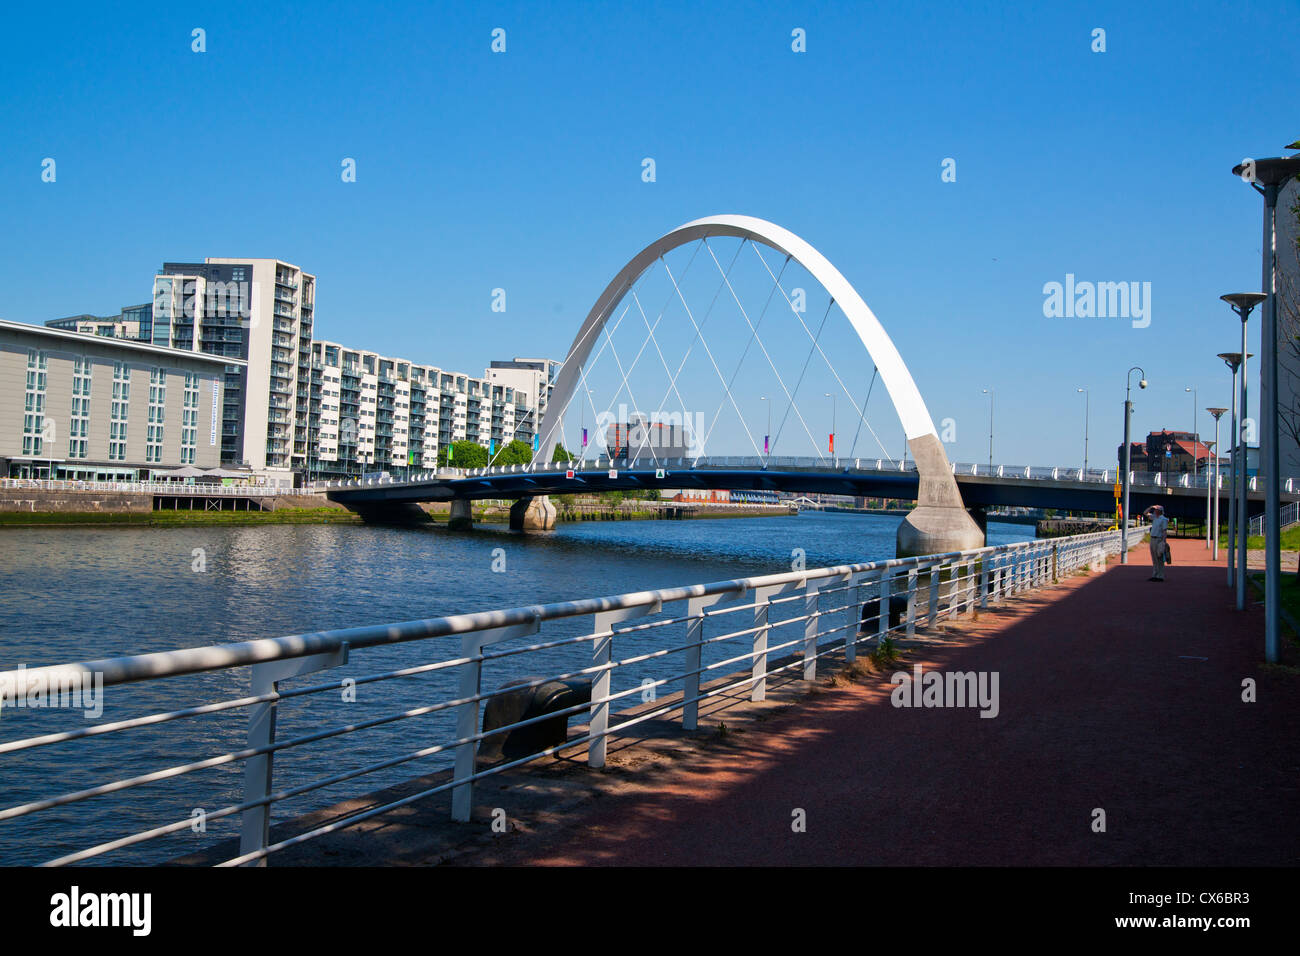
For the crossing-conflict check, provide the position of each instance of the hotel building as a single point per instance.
(93, 407)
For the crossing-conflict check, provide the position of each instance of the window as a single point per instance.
(120, 407)
(34, 426)
(80, 421)
(190, 419)
(157, 415)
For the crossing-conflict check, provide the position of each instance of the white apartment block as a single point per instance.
(372, 413)
(261, 311)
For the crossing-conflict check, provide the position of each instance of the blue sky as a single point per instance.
(522, 170)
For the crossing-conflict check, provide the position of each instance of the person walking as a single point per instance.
(1159, 547)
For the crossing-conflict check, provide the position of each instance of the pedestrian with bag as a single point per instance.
(1159, 546)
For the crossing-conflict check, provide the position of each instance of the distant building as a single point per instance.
(373, 413)
(645, 441)
(1168, 452)
(534, 378)
(133, 323)
(260, 311)
(95, 407)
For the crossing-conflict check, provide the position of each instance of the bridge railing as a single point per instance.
(144, 487)
(190, 717)
(1104, 476)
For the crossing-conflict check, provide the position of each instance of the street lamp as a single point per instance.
(834, 453)
(768, 437)
(1242, 303)
(989, 393)
(1268, 176)
(1128, 414)
(1087, 400)
(1214, 520)
(1196, 440)
(1233, 361)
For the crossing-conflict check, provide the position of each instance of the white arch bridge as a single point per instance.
(939, 523)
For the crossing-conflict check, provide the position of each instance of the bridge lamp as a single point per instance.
(989, 393)
(767, 438)
(1243, 303)
(1268, 176)
(1213, 481)
(1234, 361)
(1087, 400)
(1128, 450)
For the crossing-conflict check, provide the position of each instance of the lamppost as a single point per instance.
(1233, 361)
(1128, 449)
(989, 393)
(1087, 400)
(1242, 303)
(1196, 440)
(834, 453)
(1214, 482)
(1268, 176)
(768, 437)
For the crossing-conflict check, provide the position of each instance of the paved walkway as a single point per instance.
(1115, 693)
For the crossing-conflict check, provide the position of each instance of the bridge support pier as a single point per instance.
(462, 515)
(939, 523)
(533, 514)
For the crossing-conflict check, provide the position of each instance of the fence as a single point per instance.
(145, 487)
(692, 643)
(1290, 514)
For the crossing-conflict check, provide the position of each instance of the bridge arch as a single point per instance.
(939, 522)
(898, 382)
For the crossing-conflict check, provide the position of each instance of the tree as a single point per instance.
(562, 454)
(464, 454)
(516, 453)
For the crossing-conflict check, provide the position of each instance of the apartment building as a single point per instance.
(261, 312)
(373, 413)
(533, 377)
(96, 407)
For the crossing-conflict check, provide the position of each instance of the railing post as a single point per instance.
(694, 636)
(932, 615)
(255, 822)
(810, 628)
(882, 625)
(984, 581)
(601, 654)
(911, 602)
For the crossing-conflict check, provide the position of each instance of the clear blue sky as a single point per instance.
(523, 170)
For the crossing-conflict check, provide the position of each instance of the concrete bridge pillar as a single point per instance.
(939, 522)
(532, 514)
(462, 515)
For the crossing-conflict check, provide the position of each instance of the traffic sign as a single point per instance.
(569, 473)
(660, 473)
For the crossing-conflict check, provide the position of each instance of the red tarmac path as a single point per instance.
(1115, 693)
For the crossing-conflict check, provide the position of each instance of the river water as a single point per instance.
(74, 594)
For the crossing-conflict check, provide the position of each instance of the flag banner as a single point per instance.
(765, 444)
(584, 438)
(832, 443)
(492, 446)
(537, 440)
(451, 450)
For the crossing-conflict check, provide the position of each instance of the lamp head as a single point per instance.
(1142, 383)
(1243, 303)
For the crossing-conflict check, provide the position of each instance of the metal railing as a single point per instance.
(1289, 515)
(664, 651)
(144, 487)
(1100, 476)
